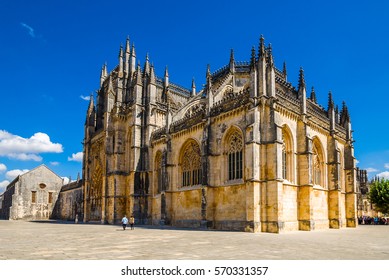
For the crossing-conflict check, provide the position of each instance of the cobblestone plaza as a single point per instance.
(21, 240)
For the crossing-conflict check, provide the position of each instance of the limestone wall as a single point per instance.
(320, 208)
(290, 207)
(227, 207)
(186, 208)
(36, 194)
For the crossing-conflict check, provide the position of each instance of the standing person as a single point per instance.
(124, 222)
(132, 222)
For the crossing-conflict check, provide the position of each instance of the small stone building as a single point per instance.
(31, 196)
(69, 204)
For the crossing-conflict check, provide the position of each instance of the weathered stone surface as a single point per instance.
(32, 195)
(247, 152)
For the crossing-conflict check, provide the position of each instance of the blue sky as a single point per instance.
(51, 54)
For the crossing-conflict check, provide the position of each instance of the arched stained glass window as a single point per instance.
(287, 156)
(235, 155)
(158, 171)
(318, 165)
(191, 164)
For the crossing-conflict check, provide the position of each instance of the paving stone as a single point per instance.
(22, 240)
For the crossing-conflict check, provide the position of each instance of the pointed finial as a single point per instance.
(133, 50)
(121, 51)
(313, 95)
(91, 103)
(301, 78)
(166, 72)
(232, 59)
(330, 101)
(344, 115)
(138, 74)
(128, 45)
(193, 92)
(261, 49)
(270, 55)
(252, 58)
(208, 74)
(284, 69)
(152, 75)
(146, 68)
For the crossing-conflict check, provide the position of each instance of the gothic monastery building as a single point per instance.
(248, 151)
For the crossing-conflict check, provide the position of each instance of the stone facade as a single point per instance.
(247, 152)
(32, 195)
(365, 208)
(69, 205)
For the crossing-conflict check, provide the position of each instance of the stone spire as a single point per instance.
(284, 70)
(301, 79)
(91, 103)
(138, 75)
(261, 49)
(127, 55)
(193, 92)
(344, 115)
(209, 88)
(232, 61)
(208, 74)
(252, 58)
(90, 115)
(262, 85)
(270, 73)
(121, 59)
(146, 69)
(103, 74)
(166, 78)
(331, 112)
(313, 95)
(152, 75)
(253, 75)
(132, 59)
(270, 55)
(331, 104)
(302, 93)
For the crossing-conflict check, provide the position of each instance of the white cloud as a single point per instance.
(54, 163)
(356, 161)
(2, 167)
(66, 180)
(371, 169)
(12, 174)
(3, 185)
(386, 165)
(384, 174)
(76, 157)
(86, 98)
(16, 147)
(31, 31)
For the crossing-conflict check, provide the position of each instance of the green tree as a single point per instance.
(379, 195)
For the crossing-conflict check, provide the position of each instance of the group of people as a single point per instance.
(367, 220)
(125, 222)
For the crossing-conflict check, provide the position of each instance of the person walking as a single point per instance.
(124, 222)
(132, 222)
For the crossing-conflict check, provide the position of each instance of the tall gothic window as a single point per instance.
(235, 156)
(158, 172)
(318, 165)
(191, 164)
(284, 162)
(287, 156)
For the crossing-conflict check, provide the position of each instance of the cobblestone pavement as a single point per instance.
(50, 240)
